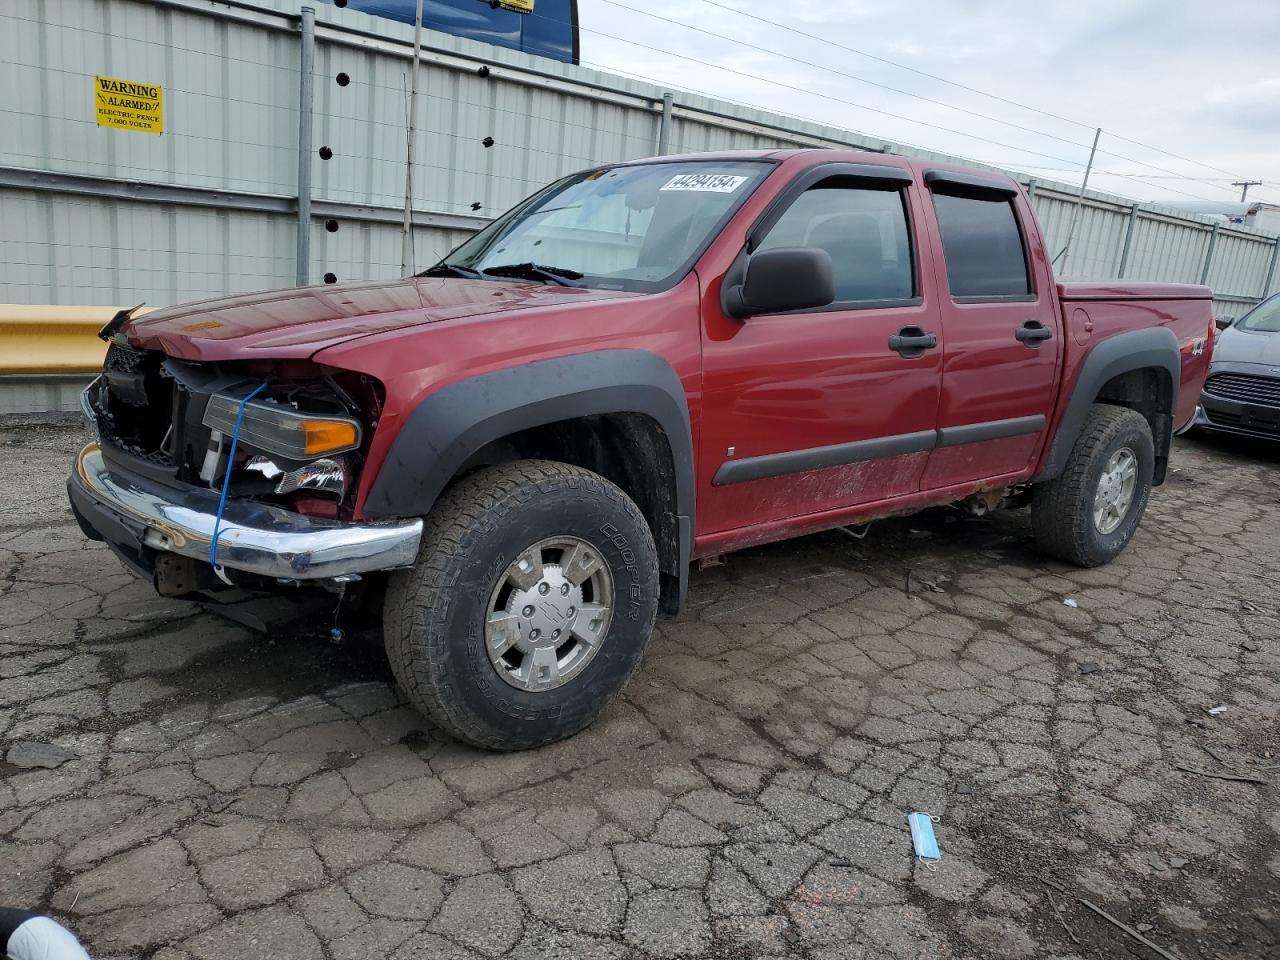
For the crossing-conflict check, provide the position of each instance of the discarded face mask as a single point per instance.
(923, 840)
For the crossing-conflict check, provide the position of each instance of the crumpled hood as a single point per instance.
(296, 322)
(1235, 345)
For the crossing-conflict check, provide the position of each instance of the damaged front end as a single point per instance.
(164, 473)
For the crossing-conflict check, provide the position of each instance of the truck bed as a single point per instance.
(1096, 310)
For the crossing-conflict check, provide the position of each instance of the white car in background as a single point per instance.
(1242, 392)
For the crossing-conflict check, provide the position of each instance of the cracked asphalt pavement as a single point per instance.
(210, 791)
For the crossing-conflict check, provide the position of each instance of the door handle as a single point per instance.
(1032, 333)
(912, 342)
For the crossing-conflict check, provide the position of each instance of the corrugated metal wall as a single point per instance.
(64, 249)
(231, 94)
(94, 215)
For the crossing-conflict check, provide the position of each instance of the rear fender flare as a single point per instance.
(1154, 347)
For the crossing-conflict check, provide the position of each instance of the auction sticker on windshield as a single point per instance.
(705, 182)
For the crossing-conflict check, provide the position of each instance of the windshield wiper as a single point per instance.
(534, 271)
(443, 269)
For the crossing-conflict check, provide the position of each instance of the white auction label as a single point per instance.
(705, 182)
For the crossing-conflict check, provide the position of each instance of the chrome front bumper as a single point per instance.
(132, 512)
(1199, 419)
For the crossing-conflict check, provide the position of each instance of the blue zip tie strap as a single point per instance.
(226, 478)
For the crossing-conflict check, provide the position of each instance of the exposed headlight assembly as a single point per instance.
(286, 433)
(325, 475)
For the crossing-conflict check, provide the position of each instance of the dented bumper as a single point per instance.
(136, 515)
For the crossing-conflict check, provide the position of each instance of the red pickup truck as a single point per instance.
(519, 451)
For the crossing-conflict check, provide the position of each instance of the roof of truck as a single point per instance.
(858, 155)
(832, 155)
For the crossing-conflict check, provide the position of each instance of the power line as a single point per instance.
(1176, 156)
(824, 96)
(752, 106)
(897, 90)
(892, 63)
(954, 83)
(860, 106)
(1020, 149)
(841, 73)
(1148, 176)
(999, 164)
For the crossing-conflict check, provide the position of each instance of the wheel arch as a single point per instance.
(621, 413)
(1138, 369)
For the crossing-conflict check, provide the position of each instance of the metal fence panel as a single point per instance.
(371, 250)
(230, 118)
(533, 136)
(1240, 264)
(83, 250)
(231, 76)
(1169, 251)
(1099, 232)
(1095, 249)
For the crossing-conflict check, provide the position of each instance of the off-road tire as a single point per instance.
(1062, 509)
(434, 614)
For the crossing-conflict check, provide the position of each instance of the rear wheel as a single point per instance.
(1089, 514)
(529, 607)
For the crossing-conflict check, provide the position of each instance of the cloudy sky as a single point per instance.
(1197, 79)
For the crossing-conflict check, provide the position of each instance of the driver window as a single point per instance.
(864, 230)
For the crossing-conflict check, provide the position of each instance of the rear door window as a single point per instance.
(982, 245)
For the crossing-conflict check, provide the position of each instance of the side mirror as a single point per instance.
(1223, 322)
(786, 278)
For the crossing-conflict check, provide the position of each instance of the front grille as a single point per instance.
(146, 410)
(135, 404)
(1245, 388)
(1224, 418)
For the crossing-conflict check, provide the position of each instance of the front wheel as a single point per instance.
(1089, 514)
(529, 607)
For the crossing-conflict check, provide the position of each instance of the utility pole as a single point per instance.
(1075, 213)
(406, 233)
(1244, 186)
(306, 105)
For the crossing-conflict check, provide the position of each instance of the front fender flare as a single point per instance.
(447, 427)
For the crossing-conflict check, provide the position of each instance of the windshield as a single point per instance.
(1264, 318)
(636, 227)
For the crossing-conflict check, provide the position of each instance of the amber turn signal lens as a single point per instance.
(322, 436)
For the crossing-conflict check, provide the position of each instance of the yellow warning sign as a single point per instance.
(129, 105)
(519, 6)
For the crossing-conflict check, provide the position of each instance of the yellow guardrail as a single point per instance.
(36, 340)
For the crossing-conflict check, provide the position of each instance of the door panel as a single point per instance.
(811, 411)
(801, 383)
(998, 384)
